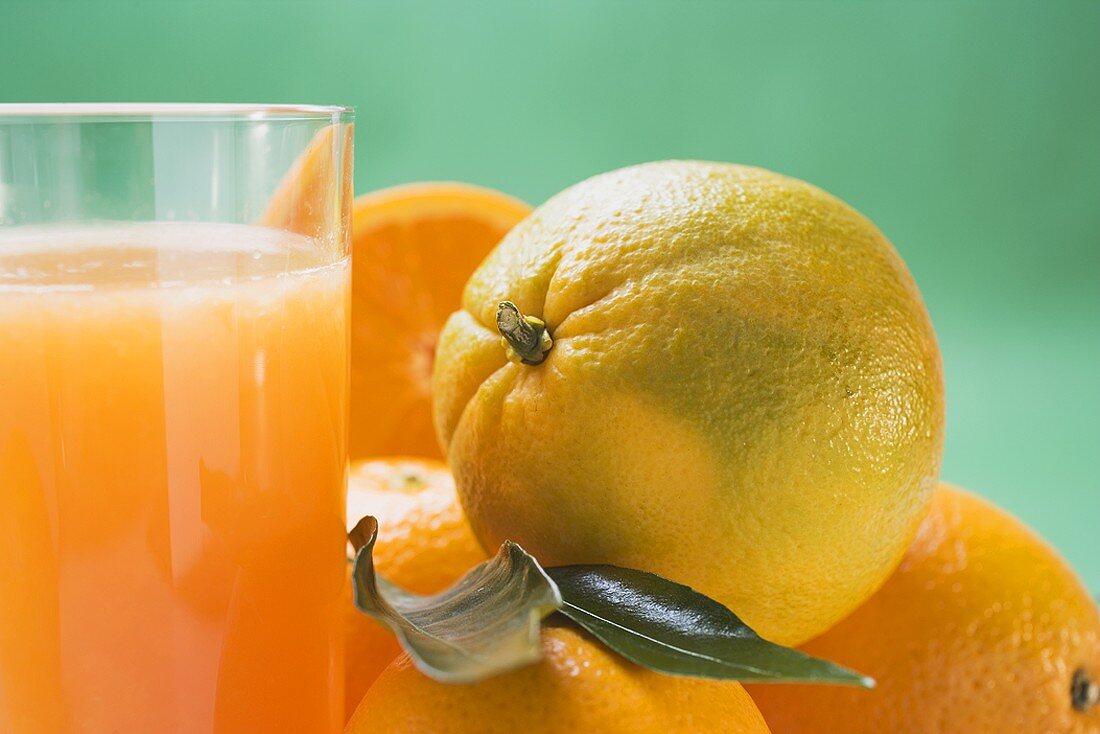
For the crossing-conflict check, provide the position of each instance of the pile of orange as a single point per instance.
(981, 628)
(413, 247)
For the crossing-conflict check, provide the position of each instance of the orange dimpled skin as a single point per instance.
(424, 545)
(982, 630)
(741, 390)
(414, 247)
(580, 686)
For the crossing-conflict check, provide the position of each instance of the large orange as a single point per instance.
(424, 545)
(413, 248)
(579, 686)
(982, 630)
(741, 390)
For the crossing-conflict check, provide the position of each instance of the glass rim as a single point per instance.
(169, 112)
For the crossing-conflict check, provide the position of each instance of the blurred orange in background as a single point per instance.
(414, 246)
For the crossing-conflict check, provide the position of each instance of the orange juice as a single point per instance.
(173, 408)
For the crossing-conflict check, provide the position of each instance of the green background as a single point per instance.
(969, 132)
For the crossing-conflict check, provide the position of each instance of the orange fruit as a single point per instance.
(742, 391)
(982, 629)
(413, 248)
(314, 194)
(579, 686)
(424, 545)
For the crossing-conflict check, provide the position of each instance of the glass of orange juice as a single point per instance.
(174, 287)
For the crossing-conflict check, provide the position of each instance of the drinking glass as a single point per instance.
(174, 297)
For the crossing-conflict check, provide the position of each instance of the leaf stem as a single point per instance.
(525, 339)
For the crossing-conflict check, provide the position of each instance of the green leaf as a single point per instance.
(485, 624)
(671, 628)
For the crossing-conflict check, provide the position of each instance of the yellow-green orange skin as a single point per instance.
(744, 392)
(979, 631)
(579, 686)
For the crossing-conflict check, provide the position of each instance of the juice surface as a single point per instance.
(173, 407)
